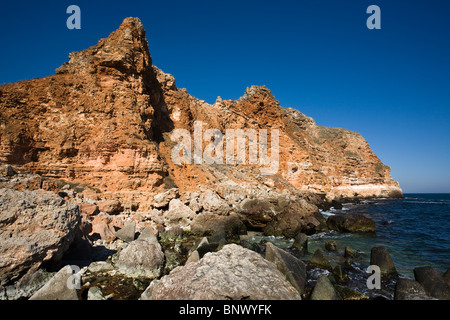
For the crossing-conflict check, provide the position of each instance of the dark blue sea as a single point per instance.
(415, 230)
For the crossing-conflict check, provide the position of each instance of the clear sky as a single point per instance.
(391, 85)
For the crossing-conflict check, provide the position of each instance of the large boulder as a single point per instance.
(227, 227)
(433, 282)
(293, 268)
(232, 273)
(211, 202)
(407, 289)
(380, 257)
(162, 200)
(351, 223)
(324, 290)
(292, 218)
(35, 229)
(318, 260)
(63, 285)
(141, 258)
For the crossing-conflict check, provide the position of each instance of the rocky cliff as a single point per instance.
(106, 120)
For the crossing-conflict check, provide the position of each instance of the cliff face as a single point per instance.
(106, 119)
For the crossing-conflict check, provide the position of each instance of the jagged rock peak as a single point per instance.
(255, 90)
(125, 50)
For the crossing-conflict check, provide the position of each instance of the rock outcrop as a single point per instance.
(232, 273)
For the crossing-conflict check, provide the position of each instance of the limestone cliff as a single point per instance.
(105, 120)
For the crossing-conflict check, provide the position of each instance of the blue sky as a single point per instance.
(391, 85)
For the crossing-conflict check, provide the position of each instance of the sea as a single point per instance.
(415, 230)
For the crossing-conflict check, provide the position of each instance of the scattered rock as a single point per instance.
(179, 214)
(232, 273)
(293, 268)
(100, 266)
(331, 245)
(102, 226)
(62, 286)
(211, 202)
(319, 260)
(380, 257)
(88, 209)
(127, 233)
(162, 200)
(351, 223)
(324, 290)
(148, 235)
(433, 282)
(141, 258)
(90, 194)
(95, 293)
(109, 206)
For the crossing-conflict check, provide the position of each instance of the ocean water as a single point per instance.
(415, 230)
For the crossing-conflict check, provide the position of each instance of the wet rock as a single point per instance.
(301, 242)
(446, 277)
(433, 282)
(380, 257)
(407, 289)
(340, 276)
(324, 290)
(127, 233)
(141, 258)
(232, 273)
(331, 245)
(351, 223)
(60, 286)
(293, 268)
(349, 252)
(350, 294)
(319, 260)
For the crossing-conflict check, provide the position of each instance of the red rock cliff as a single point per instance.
(105, 120)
